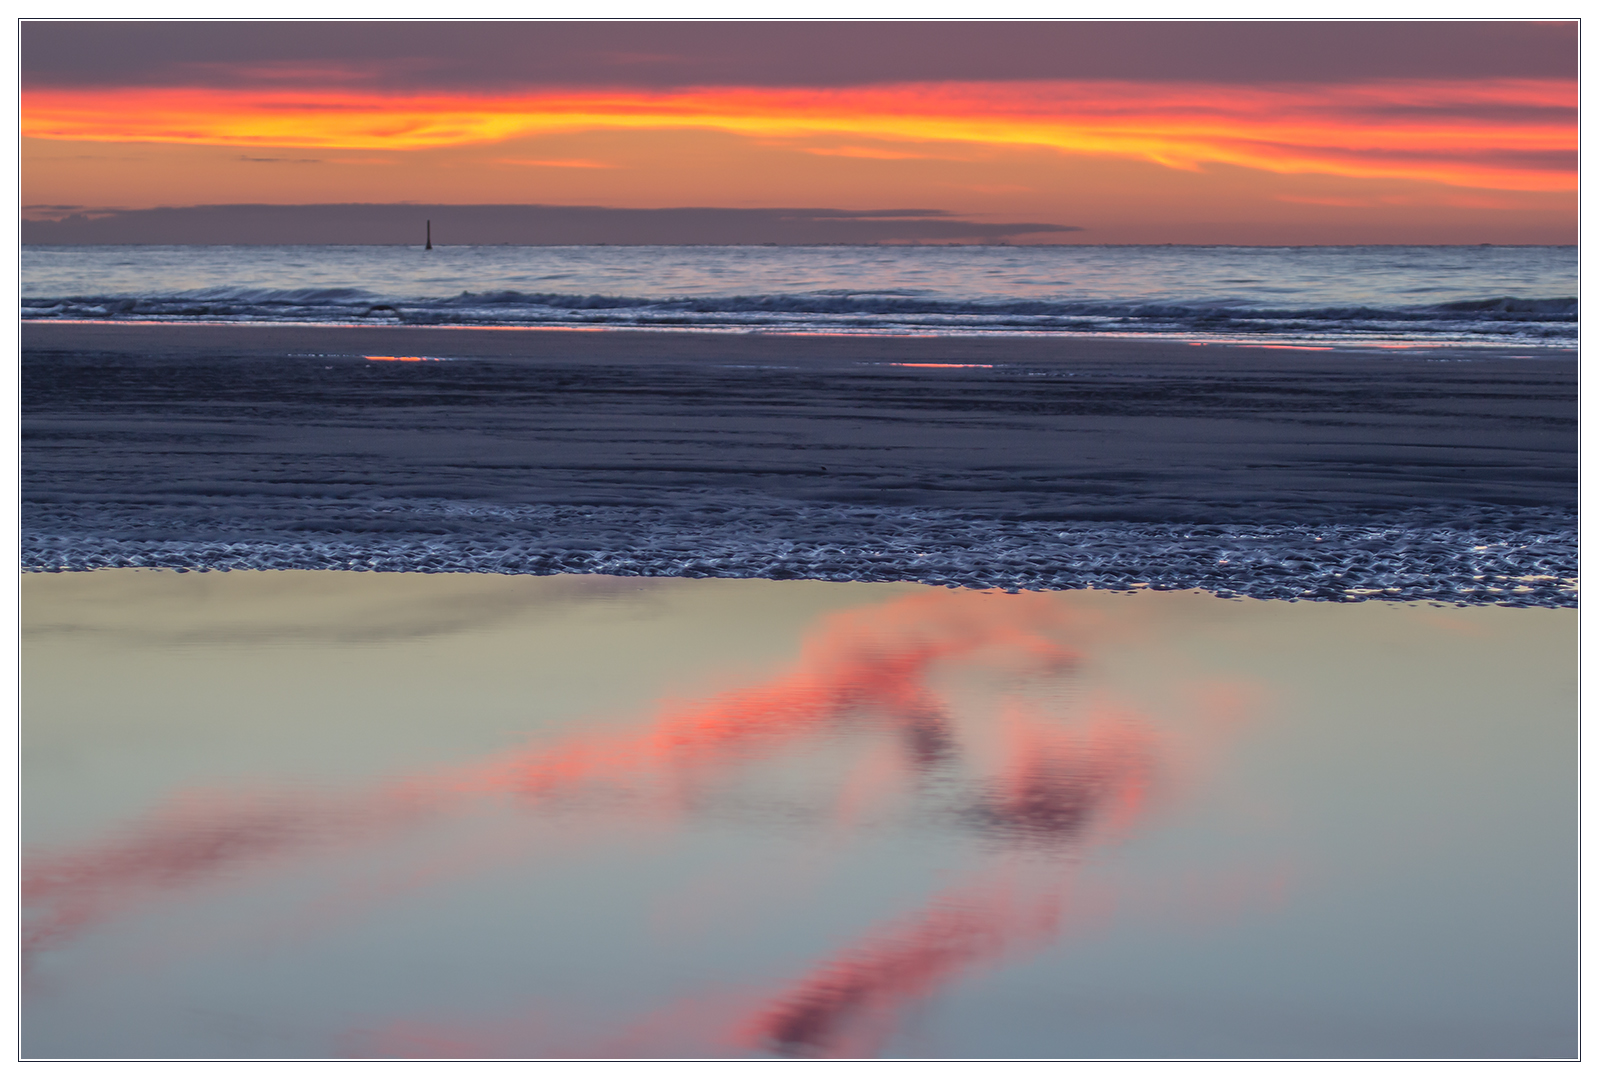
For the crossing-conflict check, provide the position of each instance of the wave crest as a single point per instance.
(1500, 317)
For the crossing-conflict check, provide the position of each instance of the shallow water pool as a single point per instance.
(310, 814)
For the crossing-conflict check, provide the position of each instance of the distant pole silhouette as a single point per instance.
(430, 235)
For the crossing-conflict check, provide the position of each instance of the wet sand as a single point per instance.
(309, 814)
(1116, 428)
(932, 459)
(601, 344)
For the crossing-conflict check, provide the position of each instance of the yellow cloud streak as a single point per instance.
(1409, 131)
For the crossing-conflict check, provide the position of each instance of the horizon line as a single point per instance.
(877, 244)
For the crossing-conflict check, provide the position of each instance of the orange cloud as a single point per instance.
(872, 152)
(1509, 134)
(1324, 200)
(563, 163)
(1466, 200)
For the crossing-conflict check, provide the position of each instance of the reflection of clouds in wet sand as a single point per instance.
(1053, 792)
(847, 1007)
(1031, 783)
(155, 607)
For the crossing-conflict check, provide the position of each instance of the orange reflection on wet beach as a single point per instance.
(849, 1005)
(1024, 784)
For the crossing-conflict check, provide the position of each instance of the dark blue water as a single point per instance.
(1522, 296)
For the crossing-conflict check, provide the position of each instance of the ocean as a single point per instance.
(1280, 423)
(1520, 296)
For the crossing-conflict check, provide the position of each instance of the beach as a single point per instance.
(485, 691)
(317, 814)
(794, 695)
(770, 541)
(1014, 462)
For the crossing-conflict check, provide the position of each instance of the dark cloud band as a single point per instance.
(670, 54)
(376, 223)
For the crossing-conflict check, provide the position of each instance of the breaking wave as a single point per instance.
(1509, 319)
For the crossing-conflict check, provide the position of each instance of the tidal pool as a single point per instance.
(306, 814)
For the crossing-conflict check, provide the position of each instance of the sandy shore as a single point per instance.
(602, 345)
(934, 459)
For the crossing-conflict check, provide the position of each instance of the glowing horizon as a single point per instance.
(1498, 135)
(1259, 133)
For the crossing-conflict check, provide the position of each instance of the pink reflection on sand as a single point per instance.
(190, 842)
(849, 1006)
(1057, 791)
(1042, 791)
(873, 663)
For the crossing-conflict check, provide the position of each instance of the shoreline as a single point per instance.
(561, 342)
(1502, 597)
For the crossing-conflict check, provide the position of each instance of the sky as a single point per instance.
(1108, 132)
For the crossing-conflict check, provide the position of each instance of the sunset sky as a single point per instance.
(1132, 132)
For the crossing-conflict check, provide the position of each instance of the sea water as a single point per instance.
(1521, 296)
